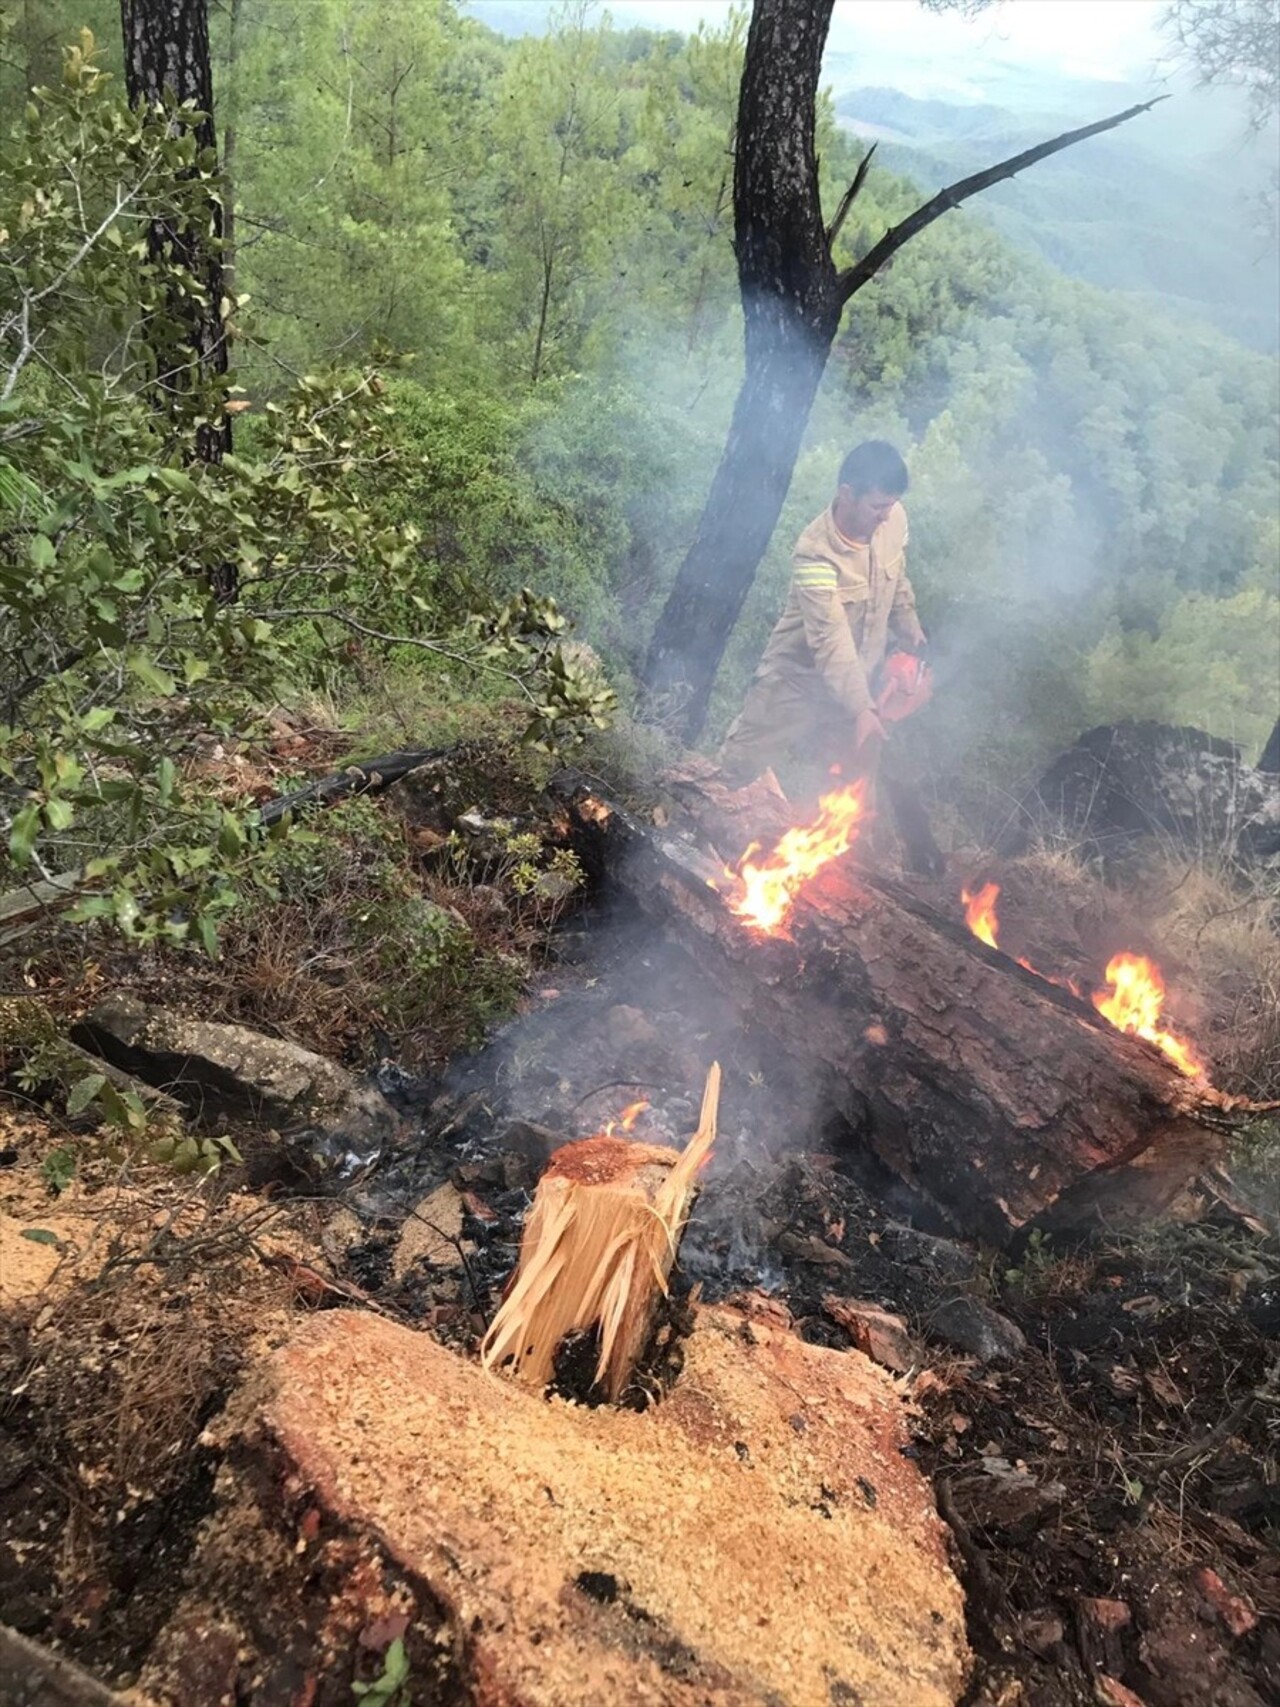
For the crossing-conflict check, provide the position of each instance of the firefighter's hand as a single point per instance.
(868, 727)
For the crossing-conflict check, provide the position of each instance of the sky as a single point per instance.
(1103, 39)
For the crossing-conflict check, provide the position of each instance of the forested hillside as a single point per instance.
(1196, 234)
(532, 236)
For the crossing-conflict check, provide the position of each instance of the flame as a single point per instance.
(765, 889)
(626, 1120)
(980, 913)
(1136, 992)
(1133, 1004)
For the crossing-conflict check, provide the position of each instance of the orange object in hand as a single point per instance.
(906, 686)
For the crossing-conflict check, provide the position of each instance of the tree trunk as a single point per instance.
(166, 55)
(1002, 1097)
(1270, 757)
(741, 512)
(792, 299)
(230, 140)
(791, 307)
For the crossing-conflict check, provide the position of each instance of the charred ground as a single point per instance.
(1099, 1419)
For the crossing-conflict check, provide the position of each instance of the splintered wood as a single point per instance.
(597, 1251)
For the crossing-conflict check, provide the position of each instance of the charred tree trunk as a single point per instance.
(1002, 1097)
(791, 307)
(166, 56)
(1270, 759)
(792, 299)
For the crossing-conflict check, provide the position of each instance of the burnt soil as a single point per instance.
(1113, 1486)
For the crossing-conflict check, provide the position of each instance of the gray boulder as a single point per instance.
(1126, 781)
(226, 1075)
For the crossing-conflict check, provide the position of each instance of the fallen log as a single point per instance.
(597, 1249)
(1003, 1098)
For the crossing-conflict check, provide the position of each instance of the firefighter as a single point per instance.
(829, 681)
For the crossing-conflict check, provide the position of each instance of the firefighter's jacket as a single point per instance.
(845, 599)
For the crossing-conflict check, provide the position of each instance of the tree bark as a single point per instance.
(792, 300)
(230, 140)
(791, 309)
(166, 55)
(1269, 760)
(1001, 1097)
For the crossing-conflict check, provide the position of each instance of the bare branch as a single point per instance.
(471, 661)
(850, 196)
(853, 278)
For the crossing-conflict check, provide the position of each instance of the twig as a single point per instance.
(1226, 1426)
(850, 196)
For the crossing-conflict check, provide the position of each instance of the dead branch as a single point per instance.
(853, 278)
(850, 196)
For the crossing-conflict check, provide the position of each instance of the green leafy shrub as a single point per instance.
(116, 645)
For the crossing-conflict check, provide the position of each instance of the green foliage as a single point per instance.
(58, 1169)
(393, 1685)
(1211, 663)
(116, 649)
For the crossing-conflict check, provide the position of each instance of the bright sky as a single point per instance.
(1085, 38)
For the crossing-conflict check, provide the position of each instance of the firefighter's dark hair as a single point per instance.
(874, 466)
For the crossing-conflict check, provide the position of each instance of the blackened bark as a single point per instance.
(791, 308)
(166, 55)
(1270, 760)
(792, 299)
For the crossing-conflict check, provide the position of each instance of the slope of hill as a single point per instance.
(1192, 232)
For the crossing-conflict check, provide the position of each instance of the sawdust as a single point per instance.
(431, 1232)
(756, 1538)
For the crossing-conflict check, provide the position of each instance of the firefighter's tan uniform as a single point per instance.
(815, 676)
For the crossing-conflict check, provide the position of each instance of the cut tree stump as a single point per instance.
(596, 1252)
(1001, 1097)
(758, 1539)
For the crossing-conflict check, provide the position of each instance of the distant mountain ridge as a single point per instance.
(1111, 211)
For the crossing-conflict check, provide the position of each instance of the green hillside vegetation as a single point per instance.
(530, 240)
(1199, 235)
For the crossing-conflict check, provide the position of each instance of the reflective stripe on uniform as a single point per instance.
(814, 575)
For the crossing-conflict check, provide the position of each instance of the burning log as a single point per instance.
(597, 1249)
(1002, 1097)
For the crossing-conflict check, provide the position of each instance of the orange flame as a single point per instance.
(766, 889)
(980, 913)
(626, 1120)
(1133, 1003)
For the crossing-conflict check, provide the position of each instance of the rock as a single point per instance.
(1112, 1693)
(30, 1035)
(1100, 1625)
(717, 1550)
(525, 1138)
(975, 1327)
(1003, 1500)
(1235, 1612)
(1126, 781)
(878, 1334)
(943, 1258)
(432, 1231)
(629, 1028)
(1042, 1632)
(230, 1074)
